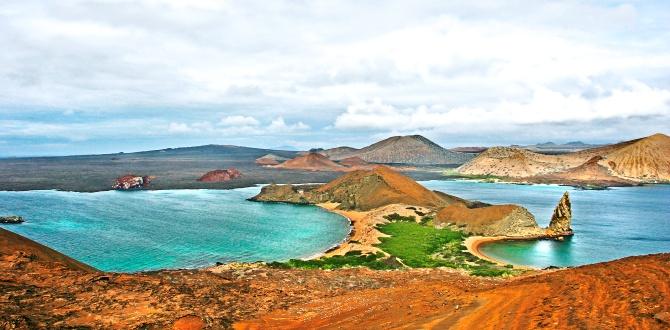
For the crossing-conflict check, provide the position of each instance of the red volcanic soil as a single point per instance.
(631, 293)
(311, 162)
(220, 175)
(10, 243)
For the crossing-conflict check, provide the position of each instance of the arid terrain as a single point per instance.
(645, 160)
(40, 290)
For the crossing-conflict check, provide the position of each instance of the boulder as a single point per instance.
(131, 181)
(11, 219)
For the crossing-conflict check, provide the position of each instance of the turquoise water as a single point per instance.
(608, 224)
(148, 230)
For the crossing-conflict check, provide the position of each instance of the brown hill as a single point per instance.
(645, 159)
(590, 172)
(641, 160)
(311, 162)
(270, 159)
(512, 162)
(411, 149)
(353, 162)
(366, 190)
(339, 152)
(10, 243)
(362, 190)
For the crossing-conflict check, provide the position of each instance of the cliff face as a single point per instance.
(562, 218)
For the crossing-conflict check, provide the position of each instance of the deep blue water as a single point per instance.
(608, 224)
(148, 230)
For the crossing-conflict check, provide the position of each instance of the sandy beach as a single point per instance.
(473, 244)
(363, 234)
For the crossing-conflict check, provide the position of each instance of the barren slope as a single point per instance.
(514, 162)
(366, 190)
(642, 160)
(628, 293)
(311, 162)
(413, 149)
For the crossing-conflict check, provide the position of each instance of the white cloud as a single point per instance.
(179, 128)
(519, 62)
(278, 125)
(544, 107)
(239, 121)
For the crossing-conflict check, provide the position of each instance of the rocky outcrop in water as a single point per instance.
(128, 182)
(11, 219)
(220, 175)
(562, 218)
(285, 193)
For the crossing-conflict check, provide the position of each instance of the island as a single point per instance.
(389, 210)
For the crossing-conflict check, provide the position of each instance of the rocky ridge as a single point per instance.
(645, 160)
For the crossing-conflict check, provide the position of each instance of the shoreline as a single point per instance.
(474, 243)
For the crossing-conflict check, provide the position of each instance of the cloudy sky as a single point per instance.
(106, 76)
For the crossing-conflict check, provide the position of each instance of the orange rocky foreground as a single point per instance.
(628, 293)
(42, 289)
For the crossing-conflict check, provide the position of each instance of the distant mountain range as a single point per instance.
(554, 148)
(411, 149)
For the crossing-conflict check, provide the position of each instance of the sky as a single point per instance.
(81, 77)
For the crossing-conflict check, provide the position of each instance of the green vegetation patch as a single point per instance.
(351, 259)
(412, 244)
(421, 246)
(484, 177)
(398, 217)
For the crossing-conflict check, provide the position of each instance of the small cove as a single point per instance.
(608, 224)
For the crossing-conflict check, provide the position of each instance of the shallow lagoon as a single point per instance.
(148, 230)
(608, 224)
